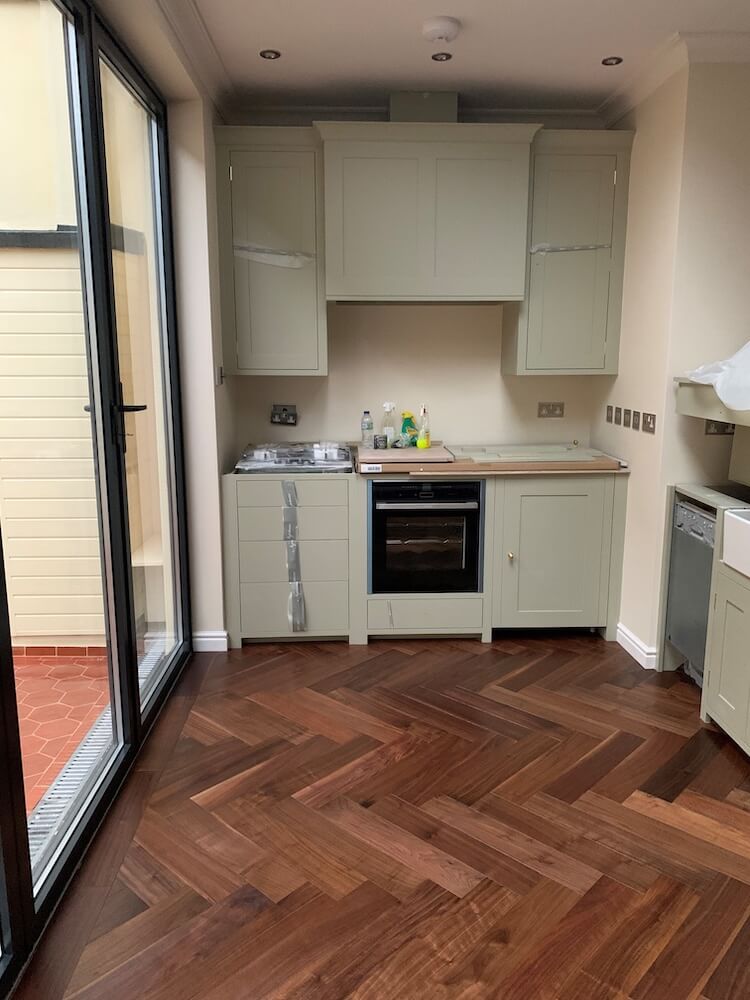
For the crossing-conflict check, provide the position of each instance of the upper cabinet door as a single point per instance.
(419, 218)
(569, 282)
(570, 321)
(274, 309)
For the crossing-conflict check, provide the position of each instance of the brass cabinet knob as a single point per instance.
(511, 556)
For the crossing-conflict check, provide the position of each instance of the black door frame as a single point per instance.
(22, 918)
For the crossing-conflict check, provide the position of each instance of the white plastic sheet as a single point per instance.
(277, 258)
(730, 379)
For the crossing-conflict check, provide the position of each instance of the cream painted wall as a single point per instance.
(653, 210)
(684, 303)
(446, 356)
(191, 151)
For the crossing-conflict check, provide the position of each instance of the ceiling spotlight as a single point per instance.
(441, 56)
(269, 54)
(612, 61)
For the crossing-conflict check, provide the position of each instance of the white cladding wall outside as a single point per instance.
(48, 504)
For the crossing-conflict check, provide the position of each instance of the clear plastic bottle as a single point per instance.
(423, 437)
(389, 423)
(368, 430)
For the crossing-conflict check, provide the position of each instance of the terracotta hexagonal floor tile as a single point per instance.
(36, 764)
(76, 695)
(31, 744)
(57, 727)
(48, 713)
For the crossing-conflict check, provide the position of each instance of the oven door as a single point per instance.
(423, 546)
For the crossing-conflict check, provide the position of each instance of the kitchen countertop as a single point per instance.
(503, 460)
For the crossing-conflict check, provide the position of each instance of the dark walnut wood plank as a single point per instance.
(533, 818)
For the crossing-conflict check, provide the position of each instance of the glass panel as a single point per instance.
(51, 493)
(137, 262)
(427, 544)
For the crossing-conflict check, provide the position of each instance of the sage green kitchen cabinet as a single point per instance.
(271, 251)
(570, 320)
(552, 551)
(426, 211)
(726, 697)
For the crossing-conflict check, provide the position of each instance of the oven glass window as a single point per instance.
(417, 544)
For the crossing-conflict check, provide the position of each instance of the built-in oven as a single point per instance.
(426, 538)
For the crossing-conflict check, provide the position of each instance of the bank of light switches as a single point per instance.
(632, 419)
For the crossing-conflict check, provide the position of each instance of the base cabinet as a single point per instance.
(552, 552)
(727, 681)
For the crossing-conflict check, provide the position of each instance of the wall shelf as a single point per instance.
(696, 400)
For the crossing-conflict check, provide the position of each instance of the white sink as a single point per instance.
(524, 453)
(735, 550)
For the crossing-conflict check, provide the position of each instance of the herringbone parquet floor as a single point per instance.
(539, 819)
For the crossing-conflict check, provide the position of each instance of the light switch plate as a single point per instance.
(649, 423)
(545, 410)
(626, 417)
(610, 414)
(618, 414)
(636, 422)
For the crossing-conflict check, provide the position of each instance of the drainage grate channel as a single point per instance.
(47, 823)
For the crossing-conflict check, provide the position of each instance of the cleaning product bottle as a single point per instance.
(409, 432)
(368, 430)
(423, 437)
(389, 425)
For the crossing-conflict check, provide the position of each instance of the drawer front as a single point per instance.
(431, 612)
(310, 493)
(264, 608)
(266, 562)
(259, 524)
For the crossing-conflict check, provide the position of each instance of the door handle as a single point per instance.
(132, 407)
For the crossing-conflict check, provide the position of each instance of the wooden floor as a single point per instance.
(538, 819)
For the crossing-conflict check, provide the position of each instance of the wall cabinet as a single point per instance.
(726, 696)
(570, 319)
(426, 212)
(552, 551)
(270, 231)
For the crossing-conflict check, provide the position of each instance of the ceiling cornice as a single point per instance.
(661, 64)
(190, 30)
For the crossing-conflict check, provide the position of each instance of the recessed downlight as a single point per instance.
(441, 56)
(612, 61)
(269, 54)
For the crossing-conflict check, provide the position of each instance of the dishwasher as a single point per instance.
(688, 594)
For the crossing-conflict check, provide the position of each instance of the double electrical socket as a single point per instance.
(550, 409)
(632, 419)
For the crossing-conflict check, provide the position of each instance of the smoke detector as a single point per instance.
(441, 29)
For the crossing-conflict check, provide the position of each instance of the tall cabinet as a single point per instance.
(569, 322)
(271, 251)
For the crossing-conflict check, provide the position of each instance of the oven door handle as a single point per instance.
(448, 505)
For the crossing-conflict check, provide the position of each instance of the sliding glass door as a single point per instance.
(93, 602)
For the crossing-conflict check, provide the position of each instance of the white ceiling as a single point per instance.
(511, 54)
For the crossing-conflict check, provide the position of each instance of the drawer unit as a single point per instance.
(310, 493)
(265, 608)
(267, 562)
(433, 613)
(313, 523)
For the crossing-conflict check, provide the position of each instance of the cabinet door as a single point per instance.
(728, 660)
(426, 220)
(569, 289)
(552, 564)
(279, 318)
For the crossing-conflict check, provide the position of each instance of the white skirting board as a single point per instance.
(641, 653)
(210, 642)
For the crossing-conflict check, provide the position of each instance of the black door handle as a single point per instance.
(132, 407)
